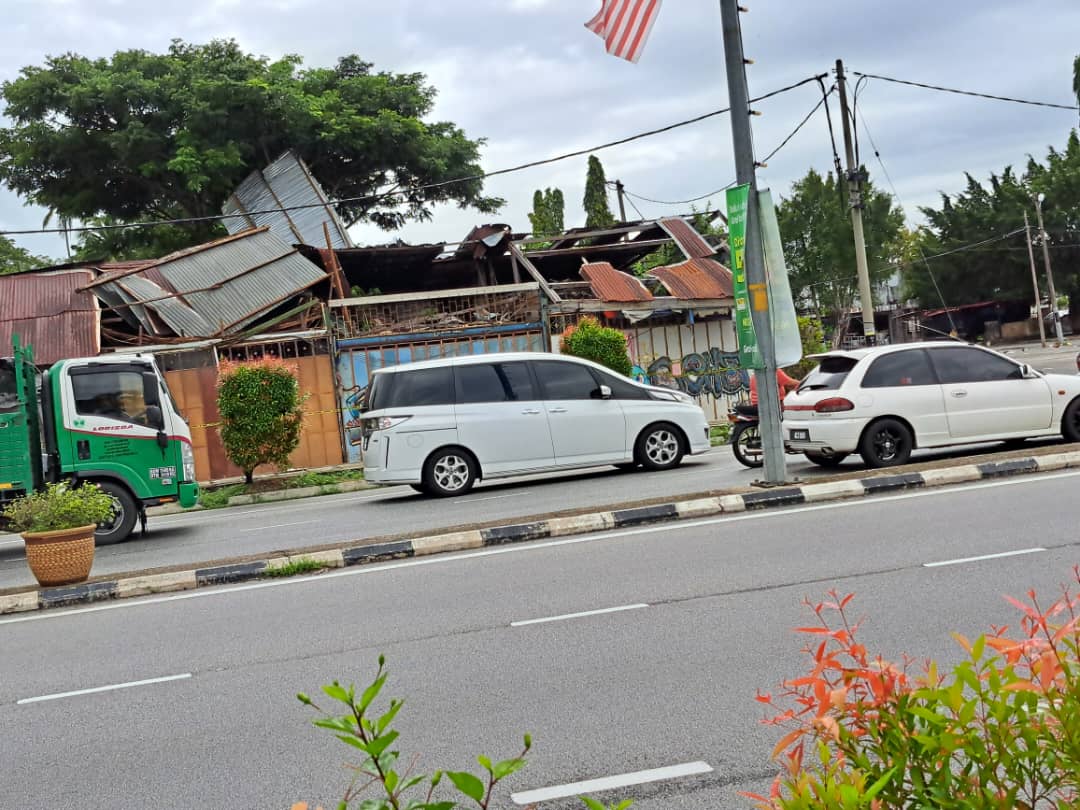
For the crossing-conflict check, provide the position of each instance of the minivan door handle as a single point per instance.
(531, 411)
(958, 393)
(557, 410)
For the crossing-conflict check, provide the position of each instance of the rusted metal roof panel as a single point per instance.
(695, 279)
(286, 183)
(691, 242)
(51, 313)
(609, 284)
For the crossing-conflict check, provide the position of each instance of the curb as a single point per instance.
(270, 496)
(355, 553)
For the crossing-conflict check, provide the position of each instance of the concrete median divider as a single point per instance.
(376, 550)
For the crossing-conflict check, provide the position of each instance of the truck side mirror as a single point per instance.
(151, 389)
(154, 417)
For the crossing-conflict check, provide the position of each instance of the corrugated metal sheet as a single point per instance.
(286, 183)
(609, 284)
(212, 289)
(693, 244)
(170, 311)
(695, 279)
(49, 312)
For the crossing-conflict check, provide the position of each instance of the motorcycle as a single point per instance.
(746, 435)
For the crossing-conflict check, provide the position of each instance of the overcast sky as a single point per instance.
(527, 76)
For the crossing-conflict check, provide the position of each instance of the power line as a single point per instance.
(965, 92)
(771, 155)
(414, 189)
(764, 161)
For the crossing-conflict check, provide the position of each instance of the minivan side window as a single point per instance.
(560, 380)
(621, 388)
(902, 368)
(493, 382)
(961, 364)
(413, 389)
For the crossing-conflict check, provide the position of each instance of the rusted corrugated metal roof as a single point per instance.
(609, 284)
(286, 183)
(693, 244)
(51, 313)
(695, 279)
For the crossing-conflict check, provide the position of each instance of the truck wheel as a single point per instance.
(125, 513)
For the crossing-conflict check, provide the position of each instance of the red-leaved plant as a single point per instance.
(999, 730)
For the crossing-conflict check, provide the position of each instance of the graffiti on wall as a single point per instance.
(713, 373)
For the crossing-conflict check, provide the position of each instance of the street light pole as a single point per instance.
(1035, 282)
(1049, 272)
(772, 439)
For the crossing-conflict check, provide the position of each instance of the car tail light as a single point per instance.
(834, 405)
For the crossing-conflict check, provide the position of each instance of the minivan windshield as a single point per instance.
(828, 376)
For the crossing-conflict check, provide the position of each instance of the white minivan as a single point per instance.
(442, 425)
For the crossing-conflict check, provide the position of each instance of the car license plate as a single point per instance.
(800, 435)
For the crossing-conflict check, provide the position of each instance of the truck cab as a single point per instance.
(109, 420)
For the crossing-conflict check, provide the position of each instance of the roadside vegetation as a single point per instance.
(303, 565)
(218, 497)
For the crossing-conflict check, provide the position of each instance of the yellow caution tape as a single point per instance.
(306, 413)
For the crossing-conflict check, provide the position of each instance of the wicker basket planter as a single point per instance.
(60, 557)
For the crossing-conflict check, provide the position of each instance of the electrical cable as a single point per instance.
(384, 195)
(764, 161)
(966, 92)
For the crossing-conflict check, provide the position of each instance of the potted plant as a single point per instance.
(57, 524)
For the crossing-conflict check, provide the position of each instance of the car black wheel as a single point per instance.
(450, 471)
(746, 445)
(886, 443)
(823, 460)
(1070, 422)
(659, 447)
(125, 513)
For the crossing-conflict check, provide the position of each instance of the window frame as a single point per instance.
(543, 387)
(1016, 373)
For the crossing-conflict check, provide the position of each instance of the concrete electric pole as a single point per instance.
(1049, 273)
(1035, 282)
(619, 190)
(854, 184)
(754, 258)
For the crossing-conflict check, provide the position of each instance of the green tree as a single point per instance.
(175, 132)
(261, 414)
(14, 259)
(819, 243)
(984, 213)
(597, 212)
(601, 344)
(547, 217)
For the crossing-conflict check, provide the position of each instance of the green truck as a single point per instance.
(110, 420)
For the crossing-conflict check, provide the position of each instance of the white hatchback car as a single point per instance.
(441, 425)
(885, 401)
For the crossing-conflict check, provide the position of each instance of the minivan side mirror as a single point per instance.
(605, 392)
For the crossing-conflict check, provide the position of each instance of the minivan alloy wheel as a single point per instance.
(451, 472)
(659, 447)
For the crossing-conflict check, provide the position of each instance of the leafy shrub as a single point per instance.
(261, 413)
(374, 736)
(601, 344)
(999, 730)
(59, 506)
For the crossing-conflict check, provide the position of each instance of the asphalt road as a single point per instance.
(218, 534)
(666, 680)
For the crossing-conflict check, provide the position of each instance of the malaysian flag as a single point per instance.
(624, 26)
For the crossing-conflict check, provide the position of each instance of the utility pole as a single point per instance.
(1049, 272)
(622, 208)
(854, 184)
(745, 171)
(1035, 282)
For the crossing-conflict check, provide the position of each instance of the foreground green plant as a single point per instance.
(59, 506)
(303, 565)
(374, 736)
(1000, 730)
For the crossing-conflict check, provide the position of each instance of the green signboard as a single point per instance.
(749, 353)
